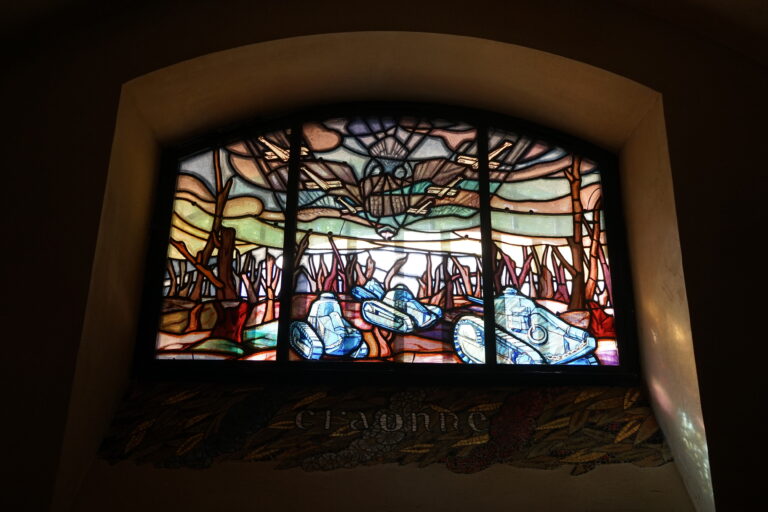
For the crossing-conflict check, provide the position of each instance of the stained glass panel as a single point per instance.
(407, 243)
(552, 279)
(225, 253)
(388, 250)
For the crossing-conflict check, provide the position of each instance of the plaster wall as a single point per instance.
(229, 486)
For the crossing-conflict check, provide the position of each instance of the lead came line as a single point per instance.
(289, 242)
(487, 245)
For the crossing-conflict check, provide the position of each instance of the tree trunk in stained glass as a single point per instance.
(195, 323)
(205, 255)
(447, 285)
(575, 242)
(546, 290)
(252, 297)
(427, 277)
(498, 268)
(230, 321)
(349, 272)
(561, 291)
(394, 271)
(478, 278)
(606, 273)
(525, 270)
(464, 273)
(183, 288)
(271, 278)
(225, 270)
(594, 234)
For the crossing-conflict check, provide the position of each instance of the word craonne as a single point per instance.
(389, 421)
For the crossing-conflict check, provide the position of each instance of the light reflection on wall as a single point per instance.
(695, 444)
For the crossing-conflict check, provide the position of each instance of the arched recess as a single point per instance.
(186, 99)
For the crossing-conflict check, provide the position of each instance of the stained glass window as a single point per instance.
(552, 281)
(225, 253)
(388, 240)
(407, 238)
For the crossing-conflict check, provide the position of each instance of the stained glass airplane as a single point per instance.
(447, 190)
(421, 208)
(470, 160)
(348, 206)
(277, 152)
(318, 182)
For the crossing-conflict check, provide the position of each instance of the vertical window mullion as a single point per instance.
(487, 245)
(289, 242)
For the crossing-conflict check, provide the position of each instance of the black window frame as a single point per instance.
(146, 366)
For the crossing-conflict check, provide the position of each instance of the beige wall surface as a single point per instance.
(661, 303)
(63, 78)
(236, 486)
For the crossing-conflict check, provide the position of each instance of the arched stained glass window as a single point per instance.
(398, 237)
